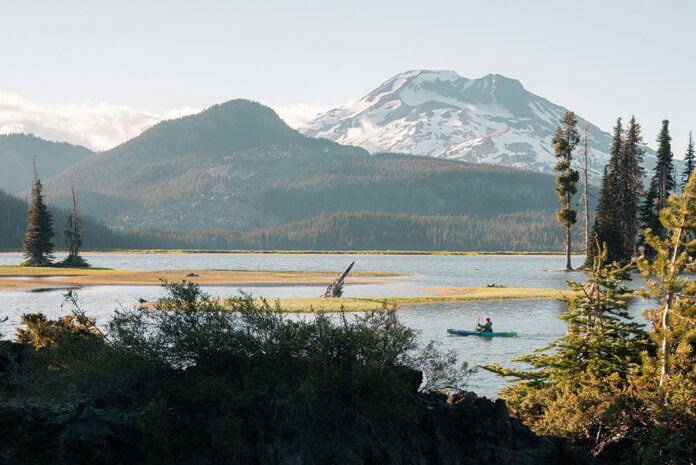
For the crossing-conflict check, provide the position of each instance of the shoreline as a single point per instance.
(314, 252)
(19, 277)
(38, 279)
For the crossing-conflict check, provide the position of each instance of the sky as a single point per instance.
(98, 73)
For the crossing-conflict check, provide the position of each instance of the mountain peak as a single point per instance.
(492, 119)
(233, 125)
(23, 152)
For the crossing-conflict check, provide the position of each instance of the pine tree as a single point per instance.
(674, 322)
(664, 169)
(662, 185)
(37, 245)
(689, 161)
(617, 221)
(630, 190)
(605, 231)
(665, 424)
(564, 141)
(571, 386)
(649, 220)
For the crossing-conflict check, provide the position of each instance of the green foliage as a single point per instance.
(239, 163)
(205, 384)
(522, 231)
(190, 327)
(626, 398)
(564, 141)
(661, 186)
(577, 385)
(630, 190)
(37, 245)
(73, 329)
(689, 162)
(674, 322)
(616, 222)
(664, 169)
(13, 221)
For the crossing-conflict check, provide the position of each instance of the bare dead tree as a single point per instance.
(585, 197)
(335, 289)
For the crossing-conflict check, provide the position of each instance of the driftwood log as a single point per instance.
(335, 289)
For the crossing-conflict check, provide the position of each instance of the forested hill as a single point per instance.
(236, 172)
(13, 221)
(19, 152)
(198, 172)
(528, 231)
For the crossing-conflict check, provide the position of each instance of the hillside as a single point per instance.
(198, 172)
(18, 152)
(97, 236)
(236, 172)
(524, 231)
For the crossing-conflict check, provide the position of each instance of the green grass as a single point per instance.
(28, 276)
(357, 304)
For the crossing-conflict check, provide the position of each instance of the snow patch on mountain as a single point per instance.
(492, 120)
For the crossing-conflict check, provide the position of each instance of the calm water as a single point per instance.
(535, 321)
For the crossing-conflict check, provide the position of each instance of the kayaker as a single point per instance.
(487, 327)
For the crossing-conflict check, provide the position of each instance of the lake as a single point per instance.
(535, 320)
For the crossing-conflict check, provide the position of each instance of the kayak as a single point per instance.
(463, 332)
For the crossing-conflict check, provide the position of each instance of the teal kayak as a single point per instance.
(463, 332)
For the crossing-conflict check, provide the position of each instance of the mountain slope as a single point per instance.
(13, 222)
(236, 172)
(18, 152)
(491, 120)
(203, 171)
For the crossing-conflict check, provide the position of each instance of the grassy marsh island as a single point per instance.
(31, 278)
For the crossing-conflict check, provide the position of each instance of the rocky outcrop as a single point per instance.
(67, 434)
(467, 430)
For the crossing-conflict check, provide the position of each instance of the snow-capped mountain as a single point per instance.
(442, 114)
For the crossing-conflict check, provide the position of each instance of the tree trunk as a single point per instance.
(569, 267)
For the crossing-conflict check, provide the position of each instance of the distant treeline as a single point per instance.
(530, 231)
(526, 231)
(410, 185)
(97, 236)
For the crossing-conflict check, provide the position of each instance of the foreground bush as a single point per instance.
(191, 382)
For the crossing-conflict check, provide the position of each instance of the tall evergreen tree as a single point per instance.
(630, 189)
(37, 245)
(662, 185)
(649, 218)
(605, 231)
(564, 141)
(689, 161)
(617, 221)
(664, 169)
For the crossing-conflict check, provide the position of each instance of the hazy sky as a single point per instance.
(92, 65)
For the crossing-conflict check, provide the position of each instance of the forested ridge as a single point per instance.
(236, 176)
(13, 221)
(528, 231)
(393, 183)
(19, 153)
